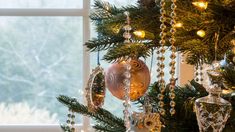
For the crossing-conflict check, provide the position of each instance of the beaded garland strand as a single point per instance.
(70, 123)
(127, 80)
(173, 57)
(161, 58)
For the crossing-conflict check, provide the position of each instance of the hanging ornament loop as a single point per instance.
(98, 57)
(99, 37)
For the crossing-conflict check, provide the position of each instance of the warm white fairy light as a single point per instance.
(200, 4)
(201, 33)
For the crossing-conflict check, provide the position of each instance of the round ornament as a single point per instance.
(95, 90)
(140, 79)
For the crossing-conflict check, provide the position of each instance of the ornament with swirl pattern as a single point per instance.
(140, 79)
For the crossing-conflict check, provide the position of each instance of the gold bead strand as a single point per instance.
(158, 63)
(200, 71)
(173, 57)
(162, 58)
(196, 73)
(201, 74)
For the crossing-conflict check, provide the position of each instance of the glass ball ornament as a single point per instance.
(140, 79)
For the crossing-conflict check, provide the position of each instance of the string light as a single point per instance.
(227, 91)
(139, 33)
(178, 25)
(201, 33)
(201, 4)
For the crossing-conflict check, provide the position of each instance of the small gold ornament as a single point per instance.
(95, 90)
(146, 122)
(140, 79)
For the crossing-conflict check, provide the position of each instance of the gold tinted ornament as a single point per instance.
(95, 90)
(140, 79)
(146, 122)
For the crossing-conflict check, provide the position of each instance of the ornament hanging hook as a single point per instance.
(98, 52)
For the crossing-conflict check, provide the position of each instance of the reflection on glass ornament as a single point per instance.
(213, 111)
(140, 79)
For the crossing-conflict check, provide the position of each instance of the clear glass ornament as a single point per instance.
(213, 111)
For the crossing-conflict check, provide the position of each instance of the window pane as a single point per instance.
(41, 3)
(41, 58)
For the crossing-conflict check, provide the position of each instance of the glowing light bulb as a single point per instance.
(178, 25)
(201, 33)
(201, 4)
(227, 91)
(139, 33)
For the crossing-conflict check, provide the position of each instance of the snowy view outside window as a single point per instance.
(40, 59)
(41, 3)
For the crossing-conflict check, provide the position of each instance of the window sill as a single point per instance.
(35, 128)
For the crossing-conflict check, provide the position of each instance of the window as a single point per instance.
(42, 56)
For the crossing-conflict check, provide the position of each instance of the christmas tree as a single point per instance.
(205, 31)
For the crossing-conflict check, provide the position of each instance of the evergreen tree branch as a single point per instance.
(102, 116)
(229, 77)
(131, 50)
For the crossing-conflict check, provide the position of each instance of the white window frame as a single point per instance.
(83, 12)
